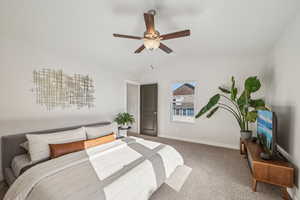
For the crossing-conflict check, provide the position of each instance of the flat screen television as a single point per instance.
(267, 131)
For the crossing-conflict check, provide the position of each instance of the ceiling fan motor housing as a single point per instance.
(152, 35)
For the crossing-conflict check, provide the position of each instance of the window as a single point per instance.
(182, 105)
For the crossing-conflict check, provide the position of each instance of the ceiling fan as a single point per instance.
(152, 38)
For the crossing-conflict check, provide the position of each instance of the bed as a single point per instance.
(129, 168)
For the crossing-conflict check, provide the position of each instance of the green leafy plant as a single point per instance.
(243, 108)
(124, 118)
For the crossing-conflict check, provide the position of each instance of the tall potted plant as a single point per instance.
(243, 108)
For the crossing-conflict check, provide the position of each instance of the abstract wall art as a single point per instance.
(55, 89)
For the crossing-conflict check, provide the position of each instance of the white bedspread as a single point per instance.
(129, 169)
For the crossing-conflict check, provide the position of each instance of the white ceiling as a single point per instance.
(83, 28)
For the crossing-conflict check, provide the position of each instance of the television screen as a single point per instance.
(265, 129)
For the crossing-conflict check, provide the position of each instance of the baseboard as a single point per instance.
(215, 144)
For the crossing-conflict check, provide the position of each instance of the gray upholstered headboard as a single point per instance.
(10, 146)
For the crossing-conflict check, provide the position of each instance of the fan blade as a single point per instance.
(141, 48)
(165, 48)
(176, 35)
(127, 36)
(149, 21)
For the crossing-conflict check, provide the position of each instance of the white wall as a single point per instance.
(18, 109)
(209, 72)
(284, 93)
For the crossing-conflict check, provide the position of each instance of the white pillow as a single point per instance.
(25, 145)
(99, 131)
(39, 144)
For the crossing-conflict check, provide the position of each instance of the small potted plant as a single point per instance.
(123, 120)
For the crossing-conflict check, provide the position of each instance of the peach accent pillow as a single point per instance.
(58, 150)
(100, 140)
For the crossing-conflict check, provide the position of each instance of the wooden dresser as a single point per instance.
(276, 172)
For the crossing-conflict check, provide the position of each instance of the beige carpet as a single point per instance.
(217, 174)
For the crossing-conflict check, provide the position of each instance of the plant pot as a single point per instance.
(246, 135)
(124, 126)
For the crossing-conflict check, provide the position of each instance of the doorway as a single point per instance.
(133, 104)
(148, 109)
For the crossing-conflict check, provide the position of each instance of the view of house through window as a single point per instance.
(182, 105)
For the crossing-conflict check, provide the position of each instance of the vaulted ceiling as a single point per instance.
(82, 29)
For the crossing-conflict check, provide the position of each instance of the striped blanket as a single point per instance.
(127, 169)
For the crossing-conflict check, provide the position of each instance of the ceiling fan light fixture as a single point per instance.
(151, 44)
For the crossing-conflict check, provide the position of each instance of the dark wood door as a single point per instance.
(149, 109)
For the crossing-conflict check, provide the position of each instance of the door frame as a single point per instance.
(137, 121)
